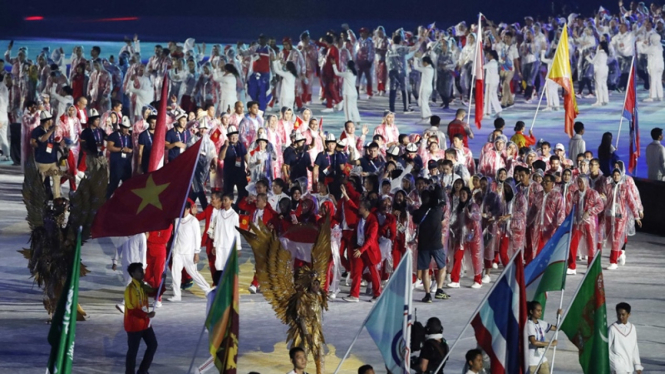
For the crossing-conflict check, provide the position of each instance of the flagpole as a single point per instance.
(473, 74)
(598, 254)
(175, 235)
(390, 280)
(558, 315)
(540, 100)
(473, 315)
(625, 98)
(196, 351)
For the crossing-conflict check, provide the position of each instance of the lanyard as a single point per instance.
(150, 137)
(123, 141)
(97, 136)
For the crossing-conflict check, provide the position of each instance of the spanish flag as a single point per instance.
(561, 74)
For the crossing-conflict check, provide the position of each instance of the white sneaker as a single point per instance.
(648, 100)
(158, 304)
(340, 106)
(589, 96)
(332, 295)
(447, 280)
(327, 110)
(613, 267)
(432, 287)
(351, 299)
(596, 104)
(120, 307)
(346, 281)
(453, 285)
(476, 285)
(363, 283)
(571, 272)
(486, 279)
(173, 299)
(622, 258)
(495, 265)
(252, 289)
(419, 285)
(548, 109)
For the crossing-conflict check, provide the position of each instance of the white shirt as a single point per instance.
(349, 85)
(426, 78)
(223, 229)
(188, 238)
(624, 353)
(624, 44)
(656, 161)
(538, 330)
(273, 200)
(492, 72)
(133, 249)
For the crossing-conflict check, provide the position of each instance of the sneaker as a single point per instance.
(408, 111)
(476, 285)
(453, 285)
(622, 258)
(597, 104)
(440, 295)
(418, 284)
(571, 272)
(613, 267)
(427, 298)
(495, 265)
(340, 106)
(363, 283)
(346, 281)
(556, 109)
(548, 109)
(579, 96)
(368, 290)
(120, 307)
(351, 299)
(332, 295)
(174, 298)
(252, 289)
(528, 101)
(158, 304)
(372, 300)
(186, 286)
(432, 288)
(486, 279)
(327, 110)
(648, 100)
(589, 96)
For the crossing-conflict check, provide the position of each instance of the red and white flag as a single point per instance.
(299, 240)
(478, 63)
(157, 152)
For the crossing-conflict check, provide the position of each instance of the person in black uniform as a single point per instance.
(145, 144)
(92, 141)
(46, 158)
(119, 144)
(235, 159)
(297, 160)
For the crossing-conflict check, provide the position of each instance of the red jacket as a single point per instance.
(160, 237)
(206, 214)
(348, 210)
(371, 243)
(389, 228)
(268, 213)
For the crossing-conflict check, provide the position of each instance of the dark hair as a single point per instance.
(605, 148)
(460, 111)
(188, 205)
(263, 182)
(493, 53)
(428, 60)
(604, 47)
(133, 267)
(377, 137)
(294, 189)
(623, 305)
(346, 123)
(656, 133)
(531, 306)
(291, 68)
(279, 182)
(578, 127)
(67, 90)
(374, 180)
(351, 66)
(519, 126)
(401, 137)
(373, 145)
(397, 39)
(96, 48)
(554, 157)
(461, 205)
(232, 69)
(499, 123)
(550, 178)
(30, 103)
(366, 203)
(217, 194)
(433, 326)
(435, 121)
(363, 369)
(447, 163)
(328, 39)
(207, 106)
(229, 195)
(115, 103)
(472, 354)
(293, 351)
(251, 104)
(545, 144)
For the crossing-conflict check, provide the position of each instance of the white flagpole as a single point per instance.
(408, 314)
(625, 98)
(355, 338)
(198, 344)
(479, 39)
(567, 310)
(558, 316)
(549, 68)
(175, 234)
(466, 326)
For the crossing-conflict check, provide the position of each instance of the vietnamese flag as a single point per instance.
(561, 74)
(148, 202)
(157, 152)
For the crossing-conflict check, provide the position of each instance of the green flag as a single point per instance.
(63, 326)
(585, 323)
(223, 319)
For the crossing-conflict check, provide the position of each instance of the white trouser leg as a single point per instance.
(176, 273)
(494, 97)
(193, 272)
(656, 84)
(553, 93)
(4, 131)
(423, 103)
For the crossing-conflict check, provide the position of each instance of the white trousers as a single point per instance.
(552, 94)
(4, 133)
(186, 262)
(423, 101)
(656, 83)
(351, 108)
(600, 78)
(492, 98)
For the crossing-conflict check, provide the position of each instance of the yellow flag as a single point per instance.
(561, 73)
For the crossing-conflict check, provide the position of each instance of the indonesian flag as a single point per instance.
(299, 240)
(157, 152)
(298, 123)
(478, 63)
(561, 74)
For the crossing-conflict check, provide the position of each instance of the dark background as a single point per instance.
(228, 21)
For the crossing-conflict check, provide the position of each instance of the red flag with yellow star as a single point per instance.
(148, 202)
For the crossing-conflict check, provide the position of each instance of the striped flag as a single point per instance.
(499, 324)
(630, 113)
(547, 272)
(223, 319)
(478, 63)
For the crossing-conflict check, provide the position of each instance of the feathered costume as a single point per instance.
(297, 298)
(54, 229)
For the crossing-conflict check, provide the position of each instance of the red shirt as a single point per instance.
(458, 127)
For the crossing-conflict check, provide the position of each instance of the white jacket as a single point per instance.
(223, 232)
(576, 145)
(349, 86)
(492, 72)
(656, 161)
(188, 237)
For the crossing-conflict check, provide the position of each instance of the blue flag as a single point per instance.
(389, 321)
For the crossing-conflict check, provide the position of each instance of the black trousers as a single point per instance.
(133, 342)
(236, 178)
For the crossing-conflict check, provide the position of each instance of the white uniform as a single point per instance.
(145, 94)
(223, 232)
(229, 95)
(656, 161)
(426, 81)
(492, 80)
(187, 243)
(600, 71)
(287, 93)
(350, 95)
(551, 88)
(4, 119)
(624, 353)
(654, 52)
(132, 249)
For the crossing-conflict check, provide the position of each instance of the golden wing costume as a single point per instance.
(297, 298)
(54, 228)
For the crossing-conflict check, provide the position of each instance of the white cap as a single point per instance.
(298, 137)
(559, 146)
(342, 143)
(203, 123)
(412, 148)
(45, 116)
(393, 151)
(125, 122)
(263, 137)
(180, 114)
(330, 138)
(231, 130)
(93, 113)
